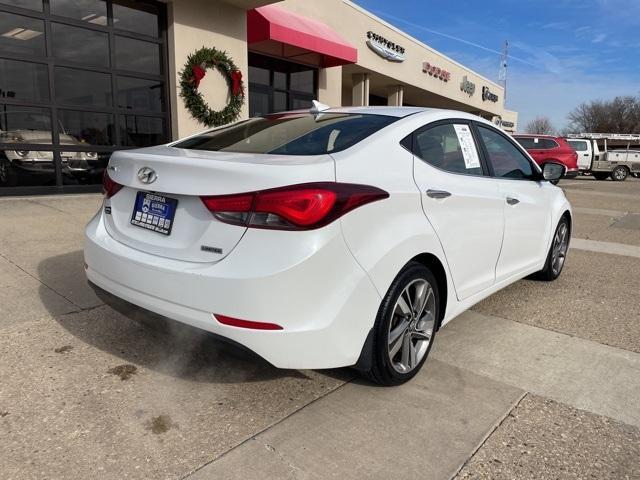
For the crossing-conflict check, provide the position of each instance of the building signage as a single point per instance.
(436, 72)
(385, 48)
(487, 95)
(467, 87)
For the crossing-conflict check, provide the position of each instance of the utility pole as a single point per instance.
(502, 73)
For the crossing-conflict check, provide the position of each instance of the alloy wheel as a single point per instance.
(620, 173)
(560, 246)
(412, 326)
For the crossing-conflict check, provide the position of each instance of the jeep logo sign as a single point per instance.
(467, 87)
(487, 95)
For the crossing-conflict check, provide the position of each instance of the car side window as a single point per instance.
(449, 147)
(507, 161)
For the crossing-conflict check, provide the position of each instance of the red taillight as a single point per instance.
(109, 187)
(298, 207)
(234, 322)
(301, 207)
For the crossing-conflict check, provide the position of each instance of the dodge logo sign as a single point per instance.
(147, 175)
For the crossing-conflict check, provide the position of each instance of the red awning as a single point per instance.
(276, 31)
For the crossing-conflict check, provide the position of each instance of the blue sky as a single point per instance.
(563, 52)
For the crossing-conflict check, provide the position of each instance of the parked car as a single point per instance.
(547, 148)
(604, 155)
(331, 237)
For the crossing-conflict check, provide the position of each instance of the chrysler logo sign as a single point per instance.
(147, 175)
(383, 47)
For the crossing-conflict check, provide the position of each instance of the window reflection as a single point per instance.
(26, 168)
(142, 19)
(23, 81)
(91, 11)
(80, 45)
(25, 124)
(137, 55)
(21, 35)
(141, 131)
(83, 168)
(85, 88)
(139, 94)
(86, 128)
(81, 87)
(30, 4)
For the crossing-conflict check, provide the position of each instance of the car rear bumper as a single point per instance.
(572, 173)
(313, 288)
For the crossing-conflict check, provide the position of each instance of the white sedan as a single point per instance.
(330, 237)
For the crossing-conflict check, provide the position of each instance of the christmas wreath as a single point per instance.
(195, 70)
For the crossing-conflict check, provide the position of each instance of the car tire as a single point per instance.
(7, 176)
(557, 252)
(555, 182)
(397, 360)
(620, 173)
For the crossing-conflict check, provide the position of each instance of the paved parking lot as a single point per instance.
(538, 381)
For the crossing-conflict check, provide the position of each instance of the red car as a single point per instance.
(547, 148)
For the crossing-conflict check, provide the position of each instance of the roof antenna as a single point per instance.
(318, 107)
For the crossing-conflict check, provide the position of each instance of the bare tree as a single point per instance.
(540, 126)
(620, 115)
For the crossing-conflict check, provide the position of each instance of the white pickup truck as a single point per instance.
(606, 155)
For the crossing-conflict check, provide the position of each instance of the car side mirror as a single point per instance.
(552, 171)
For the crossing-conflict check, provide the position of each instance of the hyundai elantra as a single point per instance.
(331, 237)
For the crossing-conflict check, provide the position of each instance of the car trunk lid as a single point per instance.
(183, 176)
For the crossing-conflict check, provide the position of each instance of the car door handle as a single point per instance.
(438, 194)
(512, 201)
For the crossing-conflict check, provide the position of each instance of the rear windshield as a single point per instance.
(291, 134)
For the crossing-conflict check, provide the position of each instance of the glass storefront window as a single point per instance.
(30, 4)
(280, 80)
(142, 19)
(137, 55)
(259, 75)
(80, 45)
(26, 168)
(303, 81)
(97, 84)
(23, 81)
(91, 11)
(82, 87)
(280, 103)
(83, 168)
(21, 35)
(258, 103)
(79, 127)
(141, 131)
(277, 85)
(140, 94)
(20, 124)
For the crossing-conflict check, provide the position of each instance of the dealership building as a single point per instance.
(80, 79)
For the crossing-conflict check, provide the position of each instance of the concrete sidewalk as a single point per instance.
(424, 429)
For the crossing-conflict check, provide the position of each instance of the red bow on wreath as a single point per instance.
(236, 85)
(198, 74)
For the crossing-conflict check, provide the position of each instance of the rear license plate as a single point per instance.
(154, 212)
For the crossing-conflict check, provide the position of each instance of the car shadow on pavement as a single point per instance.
(148, 340)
